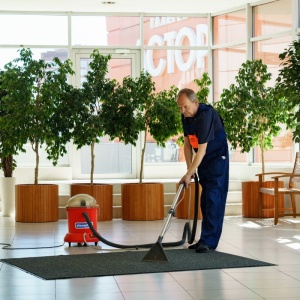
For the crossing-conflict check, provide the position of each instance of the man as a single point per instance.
(206, 151)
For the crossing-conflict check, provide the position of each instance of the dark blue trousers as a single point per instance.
(213, 175)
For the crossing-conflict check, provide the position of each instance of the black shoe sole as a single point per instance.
(204, 249)
(194, 246)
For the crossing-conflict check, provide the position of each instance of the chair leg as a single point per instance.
(260, 206)
(275, 209)
(293, 205)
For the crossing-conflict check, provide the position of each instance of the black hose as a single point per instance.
(196, 210)
(187, 234)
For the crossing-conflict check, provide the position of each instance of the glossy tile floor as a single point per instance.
(252, 238)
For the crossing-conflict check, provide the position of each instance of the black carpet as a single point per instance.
(129, 262)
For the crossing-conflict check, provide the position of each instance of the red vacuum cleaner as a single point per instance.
(79, 230)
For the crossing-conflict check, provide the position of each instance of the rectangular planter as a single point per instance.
(250, 190)
(142, 201)
(182, 210)
(36, 203)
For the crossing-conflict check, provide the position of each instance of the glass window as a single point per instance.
(123, 31)
(227, 61)
(7, 55)
(282, 151)
(111, 157)
(89, 30)
(105, 31)
(26, 159)
(230, 27)
(273, 17)
(34, 30)
(183, 71)
(268, 51)
(175, 31)
(179, 67)
(156, 154)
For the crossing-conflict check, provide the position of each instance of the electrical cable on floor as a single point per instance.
(8, 247)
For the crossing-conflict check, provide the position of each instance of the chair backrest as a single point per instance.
(296, 170)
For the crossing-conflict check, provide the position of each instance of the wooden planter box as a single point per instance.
(250, 199)
(182, 210)
(102, 193)
(36, 203)
(142, 201)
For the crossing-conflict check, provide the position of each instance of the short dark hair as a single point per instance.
(191, 95)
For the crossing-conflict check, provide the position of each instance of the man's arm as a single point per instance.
(188, 152)
(194, 165)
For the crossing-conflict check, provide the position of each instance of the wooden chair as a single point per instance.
(276, 191)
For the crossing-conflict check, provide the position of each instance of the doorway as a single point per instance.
(113, 159)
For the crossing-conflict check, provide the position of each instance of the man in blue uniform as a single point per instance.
(206, 151)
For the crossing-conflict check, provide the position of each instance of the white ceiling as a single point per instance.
(124, 6)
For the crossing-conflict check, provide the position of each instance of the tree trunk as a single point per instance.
(262, 147)
(143, 156)
(7, 165)
(37, 161)
(92, 162)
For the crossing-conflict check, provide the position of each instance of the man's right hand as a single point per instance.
(186, 179)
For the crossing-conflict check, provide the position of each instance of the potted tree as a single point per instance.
(147, 112)
(89, 128)
(43, 108)
(11, 141)
(252, 113)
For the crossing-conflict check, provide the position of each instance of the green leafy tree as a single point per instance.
(137, 108)
(96, 89)
(13, 108)
(203, 83)
(288, 85)
(252, 112)
(38, 107)
(8, 142)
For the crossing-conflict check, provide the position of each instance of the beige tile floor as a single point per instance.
(252, 238)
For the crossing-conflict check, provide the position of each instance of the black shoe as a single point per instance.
(204, 249)
(194, 246)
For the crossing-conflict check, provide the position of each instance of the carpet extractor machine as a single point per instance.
(79, 230)
(82, 223)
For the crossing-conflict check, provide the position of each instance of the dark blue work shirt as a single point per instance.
(203, 127)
